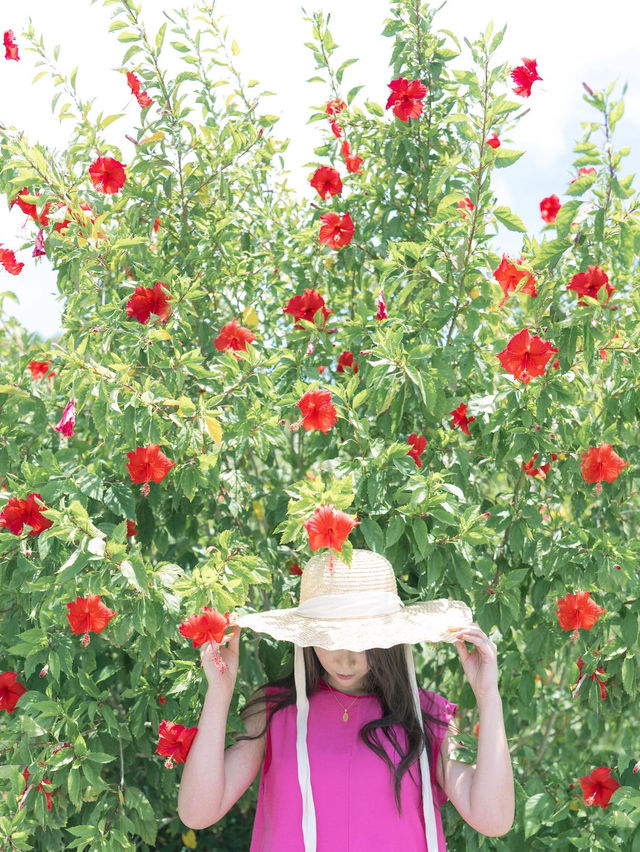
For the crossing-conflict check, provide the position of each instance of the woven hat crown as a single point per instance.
(369, 572)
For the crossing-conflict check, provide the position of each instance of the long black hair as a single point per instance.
(387, 679)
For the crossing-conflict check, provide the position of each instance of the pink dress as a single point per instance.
(352, 787)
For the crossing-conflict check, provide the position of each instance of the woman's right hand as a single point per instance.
(227, 652)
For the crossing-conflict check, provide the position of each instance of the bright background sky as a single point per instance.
(572, 41)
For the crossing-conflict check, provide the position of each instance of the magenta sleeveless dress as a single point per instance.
(352, 787)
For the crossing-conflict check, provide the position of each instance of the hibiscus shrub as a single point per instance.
(243, 375)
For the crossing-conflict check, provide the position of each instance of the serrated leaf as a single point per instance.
(214, 429)
(509, 219)
(505, 157)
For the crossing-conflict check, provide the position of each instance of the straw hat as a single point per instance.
(355, 608)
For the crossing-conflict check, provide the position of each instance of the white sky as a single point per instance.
(572, 40)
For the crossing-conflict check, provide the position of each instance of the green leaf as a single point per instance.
(505, 157)
(372, 534)
(549, 253)
(395, 530)
(509, 219)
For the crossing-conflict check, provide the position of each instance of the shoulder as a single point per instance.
(437, 705)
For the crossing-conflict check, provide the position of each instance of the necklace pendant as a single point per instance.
(345, 716)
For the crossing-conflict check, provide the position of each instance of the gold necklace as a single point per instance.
(345, 715)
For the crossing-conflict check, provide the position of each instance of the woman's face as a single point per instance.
(352, 663)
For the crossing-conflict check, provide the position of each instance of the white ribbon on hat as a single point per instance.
(350, 605)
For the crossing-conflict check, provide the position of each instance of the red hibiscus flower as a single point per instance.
(318, 412)
(382, 307)
(578, 610)
(352, 162)
(336, 231)
(150, 300)
(148, 464)
(509, 276)
(327, 182)
(8, 260)
(418, 445)
(598, 787)
(346, 360)
(234, 336)
(494, 142)
(459, 418)
(295, 569)
(209, 625)
(405, 98)
(31, 209)
(329, 527)
(549, 207)
(601, 463)
(10, 46)
(17, 513)
(526, 357)
(174, 742)
(68, 420)
(134, 84)
(156, 225)
(38, 368)
(334, 107)
(88, 614)
(10, 691)
(107, 175)
(589, 283)
(585, 170)
(132, 529)
(40, 786)
(541, 471)
(465, 202)
(305, 307)
(524, 76)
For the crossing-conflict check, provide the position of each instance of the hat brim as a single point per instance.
(427, 621)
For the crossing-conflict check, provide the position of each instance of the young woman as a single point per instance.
(353, 756)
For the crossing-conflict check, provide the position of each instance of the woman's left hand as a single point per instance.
(480, 665)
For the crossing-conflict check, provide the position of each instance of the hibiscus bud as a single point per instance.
(282, 422)
(260, 132)
(571, 786)
(588, 88)
(27, 553)
(636, 768)
(486, 514)
(490, 592)
(366, 351)
(43, 671)
(617, 567)
(538, 427)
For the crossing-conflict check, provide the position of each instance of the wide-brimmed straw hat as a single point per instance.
(355, 608)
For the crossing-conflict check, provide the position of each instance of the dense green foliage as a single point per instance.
(224, 524)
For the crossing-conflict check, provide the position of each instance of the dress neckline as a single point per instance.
(322, 683)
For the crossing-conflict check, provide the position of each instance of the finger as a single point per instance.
(234, 637)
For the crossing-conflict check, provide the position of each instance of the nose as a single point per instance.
(346, 658)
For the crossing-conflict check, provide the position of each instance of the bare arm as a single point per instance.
(483, 793)
(213, 779)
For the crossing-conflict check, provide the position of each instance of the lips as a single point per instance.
(345, 677)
